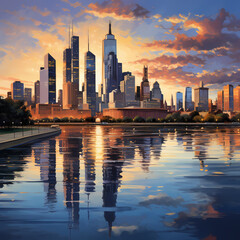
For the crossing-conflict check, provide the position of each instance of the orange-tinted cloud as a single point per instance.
(117, 9)
(75, 5)
(180, 60)
(177, 76)
(43, 13)
(209, 35)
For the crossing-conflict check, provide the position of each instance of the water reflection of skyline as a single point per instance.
(98, 158)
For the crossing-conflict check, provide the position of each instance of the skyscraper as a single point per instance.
(179, 100)
(188, 99)
(28, 95)
(48, 81)
(17, 90)
(112, 74)
(109, 46)
(37, 91)
(67, 71)
(220, 100)
(75, 70)
(145, 88)
(236, 104)
(90, 81)
(201, 98)
(172, 104)
(228, 97)
(67, 79)
(157, 93)
(128, 88)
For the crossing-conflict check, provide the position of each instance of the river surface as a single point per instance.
(109, 182)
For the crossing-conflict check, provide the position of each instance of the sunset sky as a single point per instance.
(182, 42)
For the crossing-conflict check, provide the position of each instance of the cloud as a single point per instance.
(177, 76)
(162, 199)
(118, 10)
(166, 60)
(44, 13)
(65, 10)
(75, 5)
(209, 34)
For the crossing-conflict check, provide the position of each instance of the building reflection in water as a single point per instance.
(70, 147)
(112, 168)
(47, 159)
(89, 157)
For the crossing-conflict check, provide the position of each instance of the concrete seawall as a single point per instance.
(16, 139)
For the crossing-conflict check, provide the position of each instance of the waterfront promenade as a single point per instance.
(23, 137)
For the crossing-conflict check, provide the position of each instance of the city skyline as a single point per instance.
(46, 31)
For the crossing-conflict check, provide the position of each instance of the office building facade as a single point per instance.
(201, 98)
(188, 99)
(17, 89)
(228, 98)
(28, 96)
(236, 97)
(48, 81)
(179, 100)
(145, 88)
(75, 70)
(37, 92)
(90, 82)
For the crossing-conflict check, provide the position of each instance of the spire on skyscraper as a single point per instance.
(110, 28)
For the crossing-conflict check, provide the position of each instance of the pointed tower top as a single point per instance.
(110, 28)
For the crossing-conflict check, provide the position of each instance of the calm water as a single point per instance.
(103, 182)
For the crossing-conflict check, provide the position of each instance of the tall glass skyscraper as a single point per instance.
(109, 46)
(67, 58)
(179, 100)
(90, 81)
(48, 80)
(17, 89)
(75, 70)
(112, 73)
(67, 79)
(188, 99)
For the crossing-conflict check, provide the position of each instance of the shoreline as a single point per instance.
(230, 124)
(12, 140)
